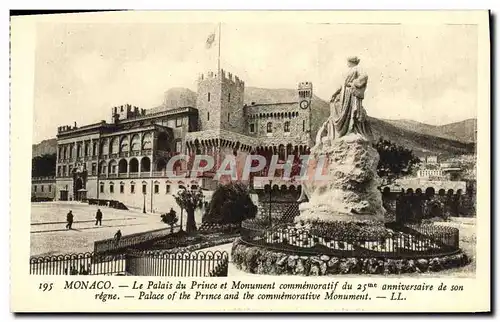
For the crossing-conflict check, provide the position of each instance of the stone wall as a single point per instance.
(259, 260)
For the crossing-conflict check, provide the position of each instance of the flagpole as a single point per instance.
(218, 57)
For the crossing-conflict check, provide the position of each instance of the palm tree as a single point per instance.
(189, 200)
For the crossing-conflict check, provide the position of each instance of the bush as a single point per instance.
(170, 218)
(230, 204)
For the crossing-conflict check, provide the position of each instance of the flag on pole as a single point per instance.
(210, 40)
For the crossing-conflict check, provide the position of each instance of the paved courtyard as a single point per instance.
(50, 237)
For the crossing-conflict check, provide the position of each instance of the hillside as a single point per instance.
(463, 131)
(44, 147)
(450, 139)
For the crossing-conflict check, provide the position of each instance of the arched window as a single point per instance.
(101, 187)
(269, 127)
(122, 187)
(209, 96)
(132, 187)
(144, 187)
(286, 127)
(111, 187)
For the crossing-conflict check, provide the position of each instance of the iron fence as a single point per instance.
(424, 241)
(77, 264)
(114, 245)
(191, 264)
(186, 264)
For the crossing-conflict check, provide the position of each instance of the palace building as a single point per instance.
(125, 159)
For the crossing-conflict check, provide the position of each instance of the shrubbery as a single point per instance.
(230, 204)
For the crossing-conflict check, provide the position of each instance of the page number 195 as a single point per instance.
(46, 287)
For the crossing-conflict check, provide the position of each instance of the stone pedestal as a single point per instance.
(347, 190)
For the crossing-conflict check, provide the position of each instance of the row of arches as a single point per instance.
(274, 115)
(123, 144)
(133, 165)
(430, 191)
(209, 145)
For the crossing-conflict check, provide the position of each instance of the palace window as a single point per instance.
(168, 188)
(157, 188)
(101, 187)
(144, 188)
(178, 122)
(286, 127)
(34, 188)
(229, 97)
(50, 188)
(209, 96)
(208, 116)
(132, 187)
(303, 125)
(122, 187)
(228, 116)
(59, 171)
(178, 146)
(252, 128)
(41, 188)
(269, 127)
(111, 187)
(94, 168)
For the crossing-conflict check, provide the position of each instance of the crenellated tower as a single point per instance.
(220, 102)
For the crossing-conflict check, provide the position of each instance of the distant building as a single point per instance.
(43, 188)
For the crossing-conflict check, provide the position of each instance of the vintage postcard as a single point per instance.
(251, 162)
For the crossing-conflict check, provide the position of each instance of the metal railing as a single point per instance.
(424, 241)
(112, 245)
(77, 264)
(192, 264)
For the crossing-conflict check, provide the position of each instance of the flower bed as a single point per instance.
(180, 242)
(210, 228)
(259, 260)
(380, 241)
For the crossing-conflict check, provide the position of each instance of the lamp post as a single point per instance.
(270, 196)
(144, 205)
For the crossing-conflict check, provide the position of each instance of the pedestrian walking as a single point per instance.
(69, 220)
(98, 217)
(118, 236)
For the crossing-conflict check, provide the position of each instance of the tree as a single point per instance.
(230, 204)
(395, 161)
(43, 165)
(189, 200)
(170, 218)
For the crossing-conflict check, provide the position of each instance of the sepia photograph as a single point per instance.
(246, 149)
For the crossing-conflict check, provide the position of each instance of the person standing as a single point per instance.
(98, 217)
(118, 236)
(69, 220)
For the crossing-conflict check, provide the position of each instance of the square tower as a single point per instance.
(305, 91)
(220, 102)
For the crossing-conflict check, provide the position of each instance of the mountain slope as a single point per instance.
(45, 147)
(463, 131)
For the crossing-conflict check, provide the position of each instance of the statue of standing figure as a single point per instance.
(347, 114)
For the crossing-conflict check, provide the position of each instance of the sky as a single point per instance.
(423, 73)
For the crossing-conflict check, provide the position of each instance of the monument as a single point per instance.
(341, 227)
(348, 190)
